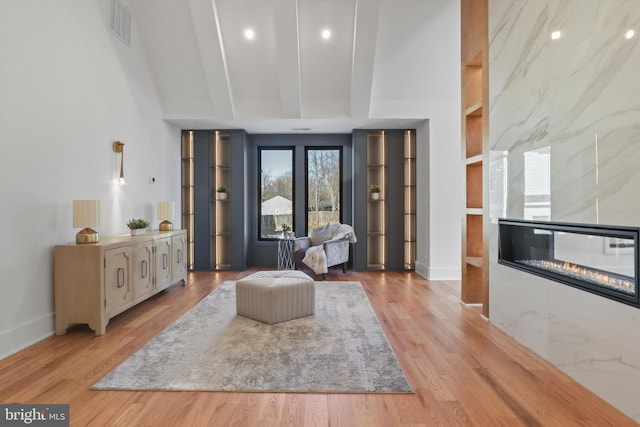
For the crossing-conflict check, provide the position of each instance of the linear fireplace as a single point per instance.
(601, 259)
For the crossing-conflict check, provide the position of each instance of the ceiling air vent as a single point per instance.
(120, 21)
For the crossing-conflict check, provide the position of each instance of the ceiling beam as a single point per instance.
(207, 29)
(285, 14)
(365, 32)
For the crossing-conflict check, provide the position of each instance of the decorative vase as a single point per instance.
(137, 231)
(222, 196)
(375, 196)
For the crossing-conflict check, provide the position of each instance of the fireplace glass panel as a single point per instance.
(599, 259)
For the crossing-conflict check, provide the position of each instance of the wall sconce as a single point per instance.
(86, 214)
(165, 214)
(118, 147)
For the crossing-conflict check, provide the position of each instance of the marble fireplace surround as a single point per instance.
(577, 98)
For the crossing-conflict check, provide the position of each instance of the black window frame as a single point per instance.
(260, 149)
(308, 148)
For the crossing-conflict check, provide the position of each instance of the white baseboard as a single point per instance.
(25, 335)
(436, 273)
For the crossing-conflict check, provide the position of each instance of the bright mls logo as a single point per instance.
(34, 415)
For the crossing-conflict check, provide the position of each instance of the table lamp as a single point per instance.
(165, 214)
(86, 214)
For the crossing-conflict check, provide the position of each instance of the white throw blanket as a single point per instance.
(315, 257)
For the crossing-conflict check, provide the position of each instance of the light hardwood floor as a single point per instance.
(464, 371)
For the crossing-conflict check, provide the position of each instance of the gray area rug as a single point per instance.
(340, 349)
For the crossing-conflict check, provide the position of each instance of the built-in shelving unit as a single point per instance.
(376, 208)
(386, 225)
(221, 208)
(475, 157)
(215, 226)
(188, 182)
(409, 200)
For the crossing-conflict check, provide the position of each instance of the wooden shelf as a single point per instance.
(474, 64)
(474, 159)
(474, 110)
(475, 261)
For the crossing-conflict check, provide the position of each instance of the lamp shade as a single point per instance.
(86, 213)
(165, 214)
(165, 211)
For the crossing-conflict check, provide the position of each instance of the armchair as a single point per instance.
(326, 246)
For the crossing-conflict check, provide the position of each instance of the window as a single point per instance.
(275, 190)
(537, 184)
(324, 189)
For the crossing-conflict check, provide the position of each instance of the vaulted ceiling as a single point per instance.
(289, 78)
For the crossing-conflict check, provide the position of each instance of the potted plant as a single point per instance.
(286, 231)
(222, 192)
(374, 190)
(137, 226)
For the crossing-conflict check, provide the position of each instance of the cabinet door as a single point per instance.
(179, 268)
(118, 292)
(142, 270)
(163, 263)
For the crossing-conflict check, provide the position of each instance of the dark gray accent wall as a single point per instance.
(203, 196)
(395, 200)
(202, 200)
(246, 249)
(239, 200)
(360, 196)
(265, 253)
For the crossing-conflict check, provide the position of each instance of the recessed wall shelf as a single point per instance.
(386, 226)
(475, 158)
(217, 240)
(188, 182)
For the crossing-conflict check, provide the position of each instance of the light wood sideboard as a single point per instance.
(94, 282)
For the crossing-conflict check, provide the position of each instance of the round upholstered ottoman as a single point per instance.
(276, 296)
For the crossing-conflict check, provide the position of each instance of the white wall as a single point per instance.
(68, 89)
(578, 95)
(432, 41)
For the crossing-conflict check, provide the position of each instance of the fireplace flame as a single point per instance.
(593, 275)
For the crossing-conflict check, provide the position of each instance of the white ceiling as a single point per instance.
(289, 79)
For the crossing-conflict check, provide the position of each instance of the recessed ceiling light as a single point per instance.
(555, 35)
(249, 34)
(630, 34)
(326, 34)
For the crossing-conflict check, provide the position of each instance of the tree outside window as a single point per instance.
(324, 191)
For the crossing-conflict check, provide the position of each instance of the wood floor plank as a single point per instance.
(464, 371)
